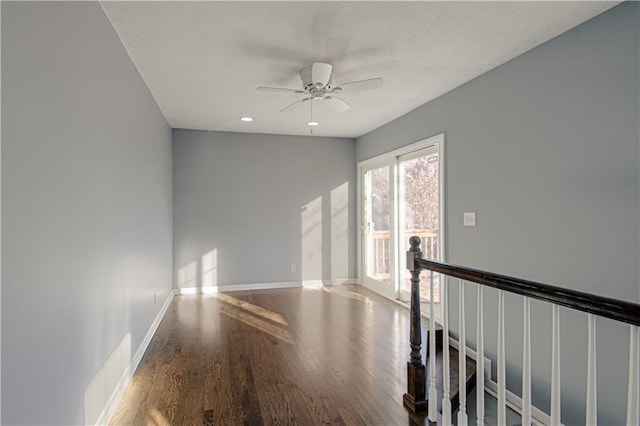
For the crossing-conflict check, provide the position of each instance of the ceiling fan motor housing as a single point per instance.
(316, 75)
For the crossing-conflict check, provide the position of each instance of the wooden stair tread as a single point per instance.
(421, 418)
(439, 332)
(454, 385)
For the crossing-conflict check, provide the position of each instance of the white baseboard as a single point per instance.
(327, 283)
(264, 286)
(513, 401)
(112, 404)
(340, 281)
(237, 287)
(312, 283)
(137, 357)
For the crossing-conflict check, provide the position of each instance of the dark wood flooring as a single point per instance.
(335, 355)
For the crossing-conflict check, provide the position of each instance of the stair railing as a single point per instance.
(416, 398)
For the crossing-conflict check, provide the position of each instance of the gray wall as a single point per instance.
(545, 150)
(86, 198)
(261, 203)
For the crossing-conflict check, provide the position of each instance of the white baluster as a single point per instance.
(633, 394)
(555, 366)
(462, 358)
(502, 406)
(526, 364)
(446, 377)
(592, 399)
(480, 360)
(433, 392)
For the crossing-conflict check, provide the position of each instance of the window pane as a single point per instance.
(378, 243)
(420, 211)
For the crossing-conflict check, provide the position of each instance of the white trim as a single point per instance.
(137, 357)
(112, 404)
(443, 198)
(0, 203)
(538, 417)
(414, 146)
(359, 225)
(342, 281)
(238, 287)
(264, 286)
(314, 284)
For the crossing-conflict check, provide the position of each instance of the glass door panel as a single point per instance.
(419, 213)
(378, 258)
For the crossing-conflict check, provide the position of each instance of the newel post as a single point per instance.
(414, 399)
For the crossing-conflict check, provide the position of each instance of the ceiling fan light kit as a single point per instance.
(316, 79)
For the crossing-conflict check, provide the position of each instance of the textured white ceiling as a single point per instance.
(203, 60)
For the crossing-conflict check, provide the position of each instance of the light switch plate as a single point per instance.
(469, 219)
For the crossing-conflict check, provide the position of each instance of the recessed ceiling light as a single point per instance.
(313, 123)
(247, 119)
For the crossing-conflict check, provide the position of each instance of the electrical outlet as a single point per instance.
(469, 219)
(293, 267)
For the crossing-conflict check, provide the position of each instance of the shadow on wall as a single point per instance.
(312, 246)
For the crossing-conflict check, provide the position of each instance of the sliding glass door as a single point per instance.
(401, 196)
(419, 207)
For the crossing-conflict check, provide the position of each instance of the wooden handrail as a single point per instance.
(607, 307)
(619, 310)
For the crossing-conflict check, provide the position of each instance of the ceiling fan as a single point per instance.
(315, 85)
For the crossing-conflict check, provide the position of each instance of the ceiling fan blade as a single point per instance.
(295, 105)
(278, 89)
(337, 104)
(359, 86)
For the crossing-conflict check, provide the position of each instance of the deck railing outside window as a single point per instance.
(381, 252)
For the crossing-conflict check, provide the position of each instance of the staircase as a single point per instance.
(625, 313)
(454, 382)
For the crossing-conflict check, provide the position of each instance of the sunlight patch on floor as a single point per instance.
(257, 323)
(254, 309)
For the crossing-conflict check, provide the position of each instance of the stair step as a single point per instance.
(454, 388)
(454, 384)
(438, 338)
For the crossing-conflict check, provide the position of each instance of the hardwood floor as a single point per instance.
(335, 355)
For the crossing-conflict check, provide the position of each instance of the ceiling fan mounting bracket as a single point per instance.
(316, 75)
(315, 84)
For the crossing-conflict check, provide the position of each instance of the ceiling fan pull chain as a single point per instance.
(311, 117)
